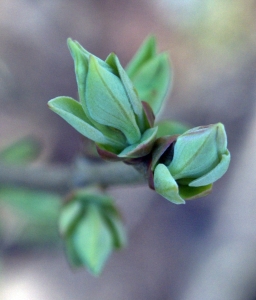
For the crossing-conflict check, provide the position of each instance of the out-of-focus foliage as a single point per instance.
(92, 229)
(22, 151)
(26, 216)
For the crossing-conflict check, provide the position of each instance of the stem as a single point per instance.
(62, 178)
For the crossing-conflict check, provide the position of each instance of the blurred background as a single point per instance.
(205, 249)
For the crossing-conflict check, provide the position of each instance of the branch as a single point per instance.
(61, 178)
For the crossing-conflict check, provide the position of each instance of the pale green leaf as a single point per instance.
(72, 255)
(152, 81)
(165, 185)
(69, 214)
(81, 61)
(195, 153)
(129, 88)
(146, 51)
(93, 240)
(215, 173)
(107, 101)
(80, 57)
(116, 226)
(72, 112)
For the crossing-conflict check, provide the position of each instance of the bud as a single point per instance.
(91, 228)
(150, 74)
(199, 158)
(109, 112)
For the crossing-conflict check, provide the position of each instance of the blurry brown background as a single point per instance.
(205, 249)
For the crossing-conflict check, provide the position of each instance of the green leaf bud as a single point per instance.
(201, 154)
(109, 112)
(190, 165)
(91, 228)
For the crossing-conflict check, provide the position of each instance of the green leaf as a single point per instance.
(107, 101)
(70, 213)
(146, 51)
(165, 185)
(151, 74)
(22, 151)
(80, 57)
(152, 81)
(93, 240)
(81, 63)
(196, 152)
(72, 255)
(215, 173)
(134, 100)
(72, 112)
(116, 226)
